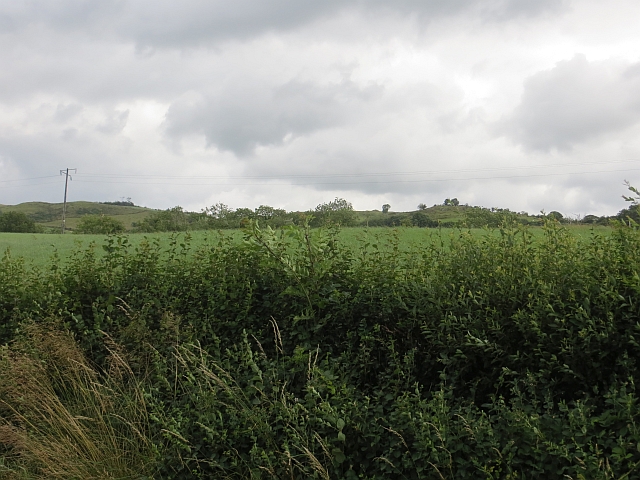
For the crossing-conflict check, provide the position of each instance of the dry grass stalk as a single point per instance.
(60, 418)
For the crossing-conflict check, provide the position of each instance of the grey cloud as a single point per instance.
(506, 9)
(65, 112)
(244, 117)
(574, 102)
(115, 122)
(193, 22)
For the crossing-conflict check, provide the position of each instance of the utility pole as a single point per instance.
(64, 205)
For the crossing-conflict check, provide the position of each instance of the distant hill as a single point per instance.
(437, 212)
(50, 214)
(446, 215)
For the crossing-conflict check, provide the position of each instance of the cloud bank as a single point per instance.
(510, 103)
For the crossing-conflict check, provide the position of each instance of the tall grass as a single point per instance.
(62, 419)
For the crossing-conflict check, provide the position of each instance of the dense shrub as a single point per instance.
(289, 354)
(336, 212)
(16, 222)
(421, 219)
(99, 224)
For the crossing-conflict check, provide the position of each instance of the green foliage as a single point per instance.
(122, 203)
(171, 220)
(635, 198)
(421, 219)
(291, 355)
(99, 224)
(479, 217)
(629, 215)
(16, 222)
(385, 208)
(555, 216)
(336, 212)
(595, 220)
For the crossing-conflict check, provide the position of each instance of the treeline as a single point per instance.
(337, 212)
(220, 216)
(340, 212)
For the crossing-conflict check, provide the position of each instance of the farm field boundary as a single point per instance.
(305, 353)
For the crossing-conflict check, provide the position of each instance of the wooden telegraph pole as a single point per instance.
(66, 184)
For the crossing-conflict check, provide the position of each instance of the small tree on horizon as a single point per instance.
(385, 208)
(338, 211)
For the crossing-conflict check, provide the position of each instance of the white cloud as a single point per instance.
(244, 116)
(199, 102)
(577, 101)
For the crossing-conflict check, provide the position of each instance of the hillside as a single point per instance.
(437, 212)
(445, 214)
(50, 214)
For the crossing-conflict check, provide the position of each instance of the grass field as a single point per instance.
(50, 214)
(38, 249)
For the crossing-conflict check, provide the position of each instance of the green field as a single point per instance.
(49, 215)
(38, 249)
(316, 353)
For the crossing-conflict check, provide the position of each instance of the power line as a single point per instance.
(328, 175)
(364, 174)
(364, 182)
(30, 185)
(26, 179)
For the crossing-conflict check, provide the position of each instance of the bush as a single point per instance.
(16, 222)
(336, 212)
(499, 356)
(421, 219)
(99, 224)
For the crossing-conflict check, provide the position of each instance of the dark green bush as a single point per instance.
(292, 355)
(99, 224)
(421, 219)
(16, 222)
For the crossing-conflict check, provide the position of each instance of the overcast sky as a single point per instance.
(525, 104)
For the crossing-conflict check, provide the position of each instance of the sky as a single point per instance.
(531, 105)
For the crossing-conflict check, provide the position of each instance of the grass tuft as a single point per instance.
(62, 419)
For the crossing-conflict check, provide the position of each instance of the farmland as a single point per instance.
(317, 353)
(49, 215)
(38, 249)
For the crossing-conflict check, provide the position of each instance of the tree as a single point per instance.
(451, 202)
(421, 219)
(16, 222)
(99, 224)
(590, 219)
(219, 211)
(265, 212)
(422, 206)
(171, 220)
(555, 216)
(339, 212)
(385, 208)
